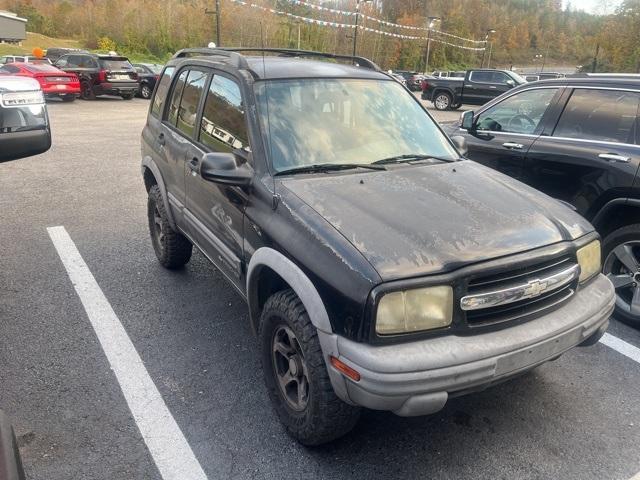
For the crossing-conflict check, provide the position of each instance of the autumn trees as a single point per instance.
(524, 28)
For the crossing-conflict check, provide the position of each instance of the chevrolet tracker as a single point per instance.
(381, 269)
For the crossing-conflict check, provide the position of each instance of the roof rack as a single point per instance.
(233, 54)
(292, 52)
(238, 60)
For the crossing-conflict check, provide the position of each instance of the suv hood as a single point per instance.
(414, 220)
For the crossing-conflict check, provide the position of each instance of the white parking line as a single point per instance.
(168, 446)
(622, 347)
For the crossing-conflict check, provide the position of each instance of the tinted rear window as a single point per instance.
(115, 64)
(161, 92)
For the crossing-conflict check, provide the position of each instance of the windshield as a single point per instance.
(339, 121)
(519, 80)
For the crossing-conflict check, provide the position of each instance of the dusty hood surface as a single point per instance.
(414, 220)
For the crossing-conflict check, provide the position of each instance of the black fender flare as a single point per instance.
(606, 208)
(149, 164)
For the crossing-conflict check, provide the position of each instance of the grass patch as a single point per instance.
(35, 40)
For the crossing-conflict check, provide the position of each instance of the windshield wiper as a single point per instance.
(409, 158)
(328, 167)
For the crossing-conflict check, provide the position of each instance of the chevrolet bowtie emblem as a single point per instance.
(535, 288)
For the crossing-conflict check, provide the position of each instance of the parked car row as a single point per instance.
(79, 73)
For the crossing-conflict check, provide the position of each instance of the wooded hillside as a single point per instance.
(524, 29)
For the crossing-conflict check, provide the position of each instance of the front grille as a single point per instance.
(529, 307)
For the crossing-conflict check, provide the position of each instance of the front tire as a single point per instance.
(296, 374)
(442, 101)
(621, 253)
(172, 249)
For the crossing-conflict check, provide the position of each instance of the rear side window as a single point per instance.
(176, 95)
(223, 127)
(188, 110)
(600, 115)
(481, 77)
(161, 92)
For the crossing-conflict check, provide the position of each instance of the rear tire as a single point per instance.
(621, 254)
(86, 91)
(145, 91)
(307, 405)
(69, 98)
(171, 247)
(442, 101)
(127, 96)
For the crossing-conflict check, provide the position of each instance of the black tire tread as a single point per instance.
(609, 243)
(177, 248)
(330, 417)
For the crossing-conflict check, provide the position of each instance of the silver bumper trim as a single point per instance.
(417, 378)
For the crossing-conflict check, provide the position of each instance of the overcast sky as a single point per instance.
(593, 6)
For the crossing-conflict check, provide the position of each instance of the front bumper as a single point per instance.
(417, 378)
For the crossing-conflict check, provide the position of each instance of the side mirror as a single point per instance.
(226, 169)
(461, 144)
(511, 83)
(466, 120)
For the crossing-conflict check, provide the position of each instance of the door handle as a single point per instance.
(492, 87)
(193, 165)
(513, 146)
(161, 139)
(612, 157)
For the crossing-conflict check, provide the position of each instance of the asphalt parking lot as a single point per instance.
(575, 418)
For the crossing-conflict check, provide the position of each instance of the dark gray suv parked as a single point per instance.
(381, 270)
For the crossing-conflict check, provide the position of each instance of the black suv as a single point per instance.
(101, 74)
(381, 270)
(578, 140)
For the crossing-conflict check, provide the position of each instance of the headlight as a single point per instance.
(415, 310)
(589, 260)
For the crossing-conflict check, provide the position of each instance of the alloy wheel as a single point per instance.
(145, 91)
(290, 368)
(442, 102)
(622, 266)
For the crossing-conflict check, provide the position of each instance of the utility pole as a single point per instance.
(216, 12)
(432, 21)
(594, 67)
(544, 59)
(486, 38)
(355, 33)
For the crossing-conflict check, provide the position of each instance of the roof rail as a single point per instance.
(292, 52)
(237, 59)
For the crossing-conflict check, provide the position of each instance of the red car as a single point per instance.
(53, 81)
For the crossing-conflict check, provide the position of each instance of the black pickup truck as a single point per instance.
(476, 88)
